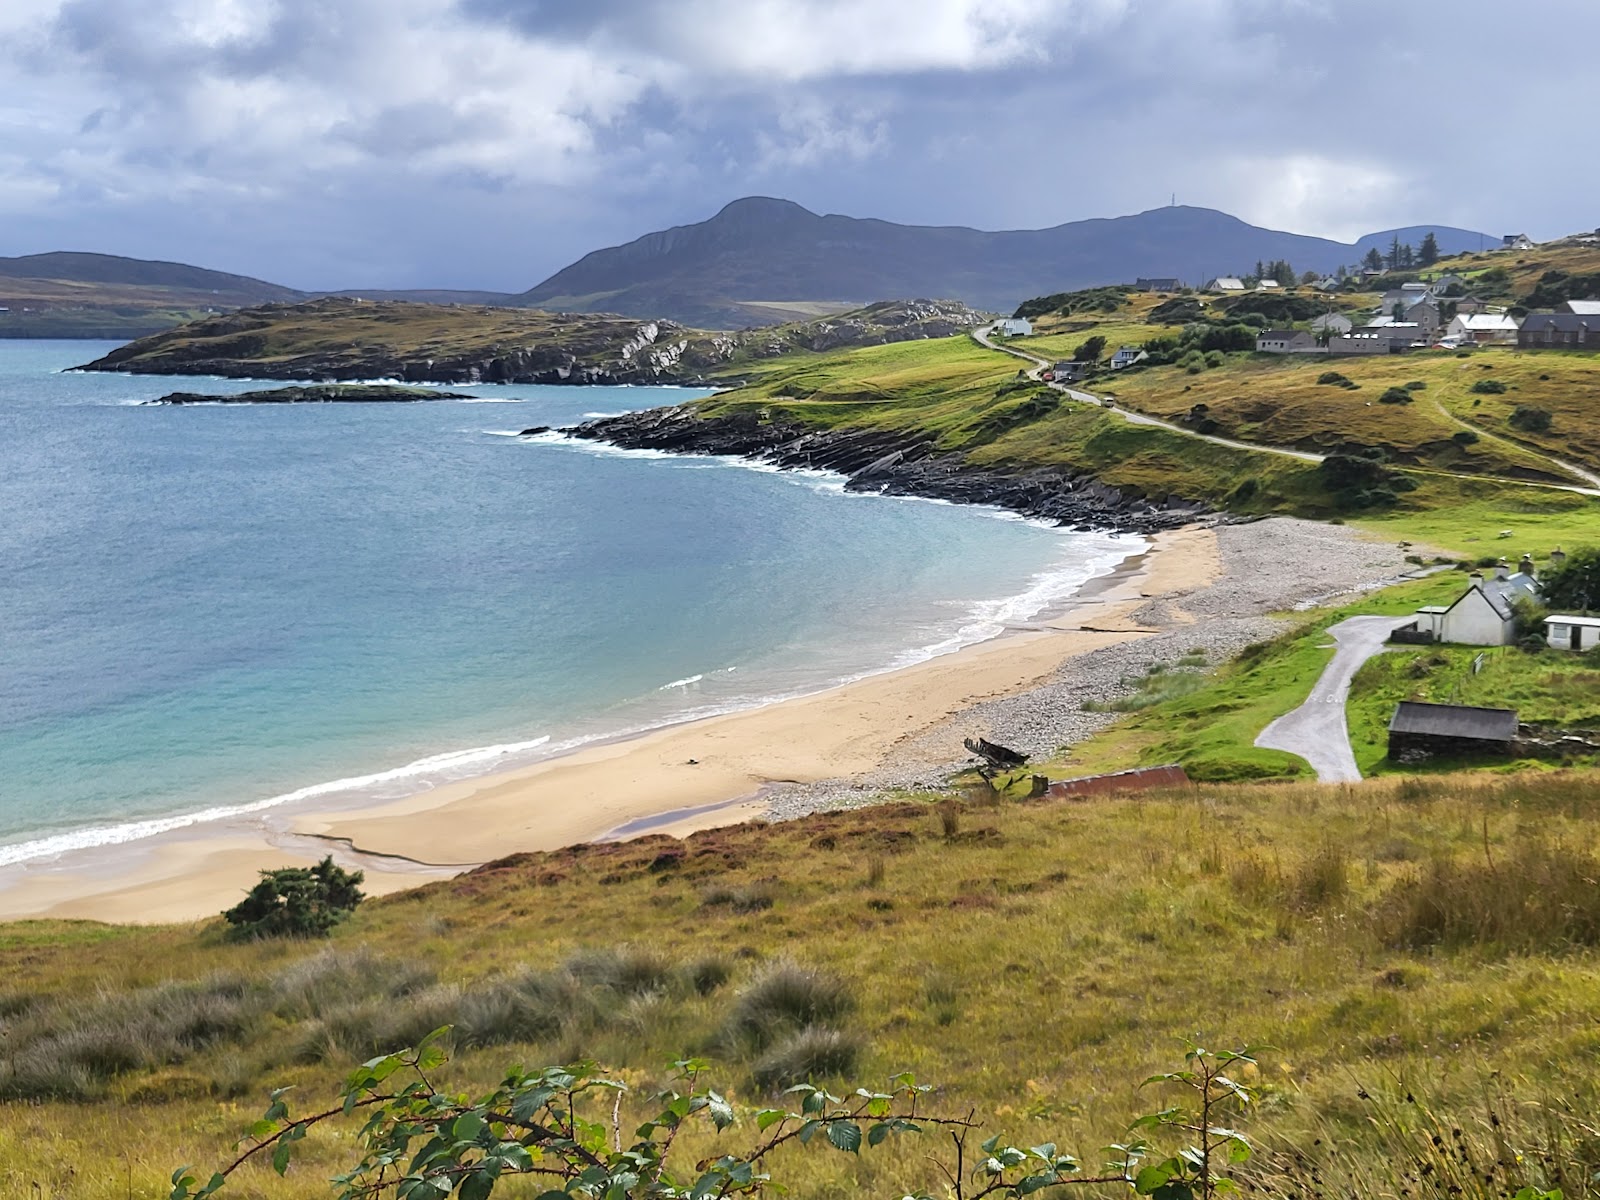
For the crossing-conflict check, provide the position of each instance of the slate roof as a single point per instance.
(1563, 322)
(1454, 721)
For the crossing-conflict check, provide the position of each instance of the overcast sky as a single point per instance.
(487, 143)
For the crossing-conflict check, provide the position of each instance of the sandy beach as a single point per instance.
(725, 769)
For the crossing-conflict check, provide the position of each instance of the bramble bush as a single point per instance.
(563, 1125)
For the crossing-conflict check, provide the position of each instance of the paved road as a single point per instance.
(1317, 731)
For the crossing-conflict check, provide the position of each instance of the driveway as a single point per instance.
(1316, 731)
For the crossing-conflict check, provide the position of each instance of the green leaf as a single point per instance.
(281, 1153)
(477, 1186)
(879, 1106)
(878, 1132)
(808, 1131)
(467, 1127)
(1150, 1178)
(768, 1117)
(846, 1136)
(214, 1183)
(721, 1111)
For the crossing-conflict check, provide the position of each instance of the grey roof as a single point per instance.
(1585, 308)
(1562, 322)
(1454, 721)
(1278, 334)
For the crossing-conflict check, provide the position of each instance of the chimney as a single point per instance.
(1557, 558)
(1526, 566)
(1476, 580)
(1502, 569)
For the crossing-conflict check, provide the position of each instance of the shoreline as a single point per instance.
(628, 781)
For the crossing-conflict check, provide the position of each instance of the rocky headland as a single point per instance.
(345, 339)
(319, 393)
(895, 464)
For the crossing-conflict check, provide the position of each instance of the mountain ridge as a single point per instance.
(761, 249)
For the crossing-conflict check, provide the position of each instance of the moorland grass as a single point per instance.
(1036, 966)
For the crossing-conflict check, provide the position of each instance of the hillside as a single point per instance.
(348, 339)
(106, 296)
(1420, 957)
(731, 270)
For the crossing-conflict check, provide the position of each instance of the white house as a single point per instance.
(1516, 241)
(1572, 633)
(1400, 333)
(1483, 614)
(1332, 323)
(1126, 356)
(1014, 327)
(1483, 329)
(1284, 341)
(1225, 283)
(1269, 285)
(1584, 308)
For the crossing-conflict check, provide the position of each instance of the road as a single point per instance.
(1317, 730)
(1588, 477)
(981, 336)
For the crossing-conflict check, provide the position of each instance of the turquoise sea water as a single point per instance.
(213, 607)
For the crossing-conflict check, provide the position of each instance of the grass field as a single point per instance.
(1277, 400)
(1034, 961)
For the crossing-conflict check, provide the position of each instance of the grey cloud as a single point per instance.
(489, 142)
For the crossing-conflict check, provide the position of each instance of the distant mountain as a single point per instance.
(759, 256)
(76, 267)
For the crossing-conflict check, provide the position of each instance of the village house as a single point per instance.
(1332, 323)
(1564, 632)
(1483, 615)
(1445, 283)
(1402, 335)
(1516, 241)
(1285, 341)
(1569, 331)
(1483, 329)
(1328, 284)
(1013, 327)
(1269, 285)
(1472, 304)
(1225, 283)
(1420, 730)
(1159, 284)
(1069, 371)
(1362, 343)
(1126, 356)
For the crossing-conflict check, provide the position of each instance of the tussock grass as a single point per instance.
(1541, 897)
(814, 1053)
(784, 999)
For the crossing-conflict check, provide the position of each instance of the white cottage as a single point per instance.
(1014, 327)
(1564, 632)
(1483, 614)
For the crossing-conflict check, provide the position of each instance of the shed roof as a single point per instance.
(1454, 721)
(1586, 622)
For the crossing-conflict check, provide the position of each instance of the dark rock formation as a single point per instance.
(895, 464)
(321, 393)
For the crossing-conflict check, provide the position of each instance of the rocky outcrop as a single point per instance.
(331, 393)
(348, 339)
(895, 464)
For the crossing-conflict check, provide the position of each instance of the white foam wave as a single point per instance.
(494, 400)
(452, 764)
(680, 683)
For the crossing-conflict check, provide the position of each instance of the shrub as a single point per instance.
(785, 998)
(1416, 385)
(1488, 387)
(1395, 395)
(1528, 418)
(809, 1054)
(297, 902)
(1464, 437)
(1332, 377)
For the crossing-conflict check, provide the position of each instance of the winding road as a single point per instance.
(981, 336)
(1317, 731)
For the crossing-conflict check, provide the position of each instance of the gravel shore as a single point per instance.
(1271, 566)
